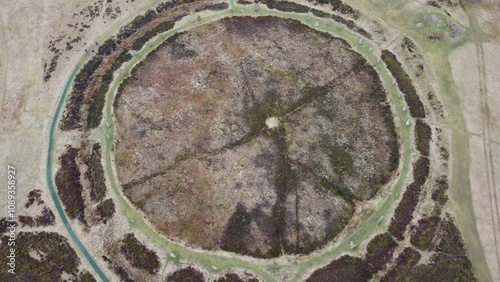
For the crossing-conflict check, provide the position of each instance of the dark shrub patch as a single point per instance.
(393, 143)
(85, 276)
(433, 4)
(71, 118)
(52, 67)
(34, 196)
(218, 6)
(122, 273)
(95, 174)
(118, 270)
(421, 171)
(405, 85)
(404, 212)
(408, 44)
(351, 25)
(340, 160)
(379, 251)
(423, 235)
(451, 239)
(233, 277)
(405, 261)
(84, 76)
(286, 6)
(139, 255)
(3, 225)
(55, 256)
(107, 48)
(164, 26)
(230, 277)
(99, 98)
(186, 274)
(348, 10)
(442, 267)
(321, 14)
(339, 6)
(68, 185)
(27, 220)
(345, 268)
(439, 194)
(124, 56)
(423, 135)
(179, 50)
(320, 2)
(106, 209)
(47, 218)
(136, 23)
(336, 4)
(237, 228)
(170, 4)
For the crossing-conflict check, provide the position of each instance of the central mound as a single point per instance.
(253, 135)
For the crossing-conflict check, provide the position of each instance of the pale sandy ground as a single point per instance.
(482, 116)
(466, 75)
(485, 208)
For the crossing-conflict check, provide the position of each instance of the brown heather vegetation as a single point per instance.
(95, 174)
(139, 255)
(405, 261)
(405, 84)
(186, 274)
(106, 210)
(233, 277)
(34, 196)
(423, 135)
(46, 218)
(195, 154)
(347, 268)
(404, 212)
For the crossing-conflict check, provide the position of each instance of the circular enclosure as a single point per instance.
(253, 135)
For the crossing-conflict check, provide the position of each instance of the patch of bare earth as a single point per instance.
(253, 135)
